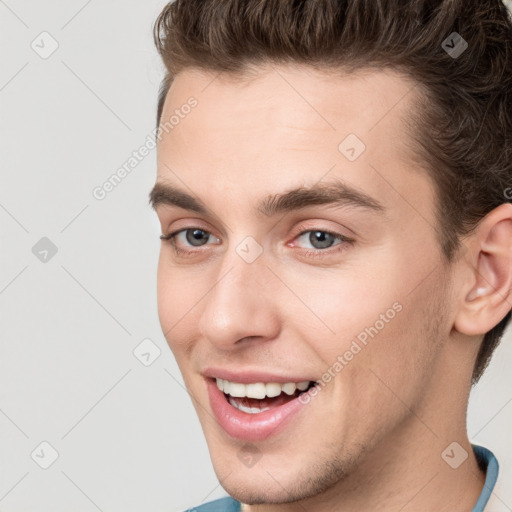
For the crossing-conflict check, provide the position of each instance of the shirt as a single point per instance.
(484, 457)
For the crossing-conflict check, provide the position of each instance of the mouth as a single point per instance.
(258, 397)
(253, 411)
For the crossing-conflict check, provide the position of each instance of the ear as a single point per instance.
(487, 296)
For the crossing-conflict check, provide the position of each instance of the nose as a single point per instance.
(241, 304)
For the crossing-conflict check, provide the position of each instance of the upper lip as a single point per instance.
(250, 376)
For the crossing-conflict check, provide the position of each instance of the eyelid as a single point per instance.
(187, 224)
(342, 238)
(305, 228)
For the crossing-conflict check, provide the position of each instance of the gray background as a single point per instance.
(126, 434)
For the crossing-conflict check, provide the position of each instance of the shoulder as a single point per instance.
(221, 505)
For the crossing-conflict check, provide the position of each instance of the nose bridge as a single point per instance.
(238, 305)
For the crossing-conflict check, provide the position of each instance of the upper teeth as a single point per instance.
(260, 389)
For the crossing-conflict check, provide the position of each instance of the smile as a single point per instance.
(255, 410)
(259, 397)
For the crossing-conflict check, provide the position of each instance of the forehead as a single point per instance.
(290, 125)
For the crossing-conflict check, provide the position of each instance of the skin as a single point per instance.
(373, 437)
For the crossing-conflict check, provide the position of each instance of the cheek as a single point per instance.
(350, 302)
(165, 295)
(176, 293)
(377, 365)
(376, 325)
(382, 302)
(397, 362)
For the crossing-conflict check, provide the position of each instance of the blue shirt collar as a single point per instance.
(487, 461)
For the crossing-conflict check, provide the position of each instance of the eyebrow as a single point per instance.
(334, 193)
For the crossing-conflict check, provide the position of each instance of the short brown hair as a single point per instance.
(462, 125)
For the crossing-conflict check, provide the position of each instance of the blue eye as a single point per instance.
(195, 237)
(323, 242)
(321, 239)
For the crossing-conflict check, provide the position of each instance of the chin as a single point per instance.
(252, 493)
(262, 484)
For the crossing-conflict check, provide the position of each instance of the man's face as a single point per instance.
(265, 296)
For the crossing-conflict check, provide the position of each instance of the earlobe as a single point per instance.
(489, 299)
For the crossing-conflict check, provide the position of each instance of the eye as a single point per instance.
(195, 237)
(319, 239)
(189, 237)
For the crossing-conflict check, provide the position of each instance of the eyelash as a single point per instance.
(315, 253)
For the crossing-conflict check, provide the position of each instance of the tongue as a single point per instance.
(265, 402)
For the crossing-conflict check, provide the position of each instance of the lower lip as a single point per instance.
(250, 427)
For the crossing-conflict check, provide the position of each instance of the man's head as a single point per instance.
(337, 199)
